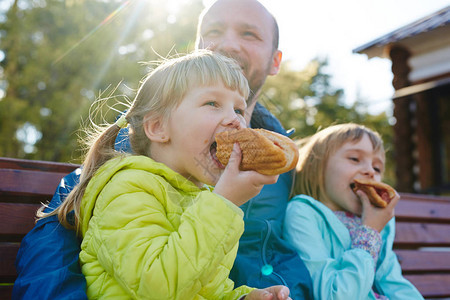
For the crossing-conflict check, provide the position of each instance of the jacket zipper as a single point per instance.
(263, 254)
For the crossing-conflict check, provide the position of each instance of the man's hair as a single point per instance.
(316, 150)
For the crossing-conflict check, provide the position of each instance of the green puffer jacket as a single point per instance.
(149, 233)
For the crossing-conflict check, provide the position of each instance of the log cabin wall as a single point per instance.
(420, 56)
(422, 133)
(404, 126)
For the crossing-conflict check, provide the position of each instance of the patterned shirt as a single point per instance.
(362, 236)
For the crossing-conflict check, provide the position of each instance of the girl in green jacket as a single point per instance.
(152, 225)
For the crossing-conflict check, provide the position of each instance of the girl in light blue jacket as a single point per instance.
(344, 240)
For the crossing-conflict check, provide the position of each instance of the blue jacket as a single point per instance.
(48, 267)
(338, 270)
(47, 262)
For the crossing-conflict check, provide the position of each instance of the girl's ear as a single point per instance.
(156, 130)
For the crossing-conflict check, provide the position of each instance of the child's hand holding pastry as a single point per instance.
(240, 186)
(375, 216)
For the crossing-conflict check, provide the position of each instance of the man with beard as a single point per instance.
(47, 262)
(246, 31)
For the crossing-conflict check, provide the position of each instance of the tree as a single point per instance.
(60, 55)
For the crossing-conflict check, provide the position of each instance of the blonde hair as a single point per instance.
(315, 151)
(161, 91)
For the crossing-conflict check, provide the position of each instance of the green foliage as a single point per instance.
(305, 101)
(60, 55)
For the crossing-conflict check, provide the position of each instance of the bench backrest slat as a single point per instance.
(420, 211)
(422, 234)
(25, 164)
(431, 285)
(23, 182)
(17, 218)
(7, 268)
(423, 261)
(5, 291)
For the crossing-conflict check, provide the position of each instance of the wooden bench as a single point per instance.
(24, 184)
(422, 242)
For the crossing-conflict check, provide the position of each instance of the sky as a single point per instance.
(332, 28)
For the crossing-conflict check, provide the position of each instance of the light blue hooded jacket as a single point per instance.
(337, 270)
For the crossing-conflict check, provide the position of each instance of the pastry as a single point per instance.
(264, 151)
(380, 194)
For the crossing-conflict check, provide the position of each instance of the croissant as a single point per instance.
(264, 151)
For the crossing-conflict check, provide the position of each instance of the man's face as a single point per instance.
(243, 30)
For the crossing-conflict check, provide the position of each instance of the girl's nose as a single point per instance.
(232, 121)
(369, 171)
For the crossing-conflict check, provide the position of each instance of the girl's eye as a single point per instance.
(239, 111)
(378, 170)
(355, 159)
(211, 103)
